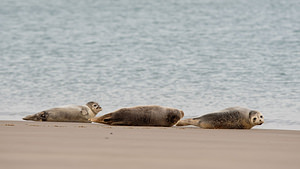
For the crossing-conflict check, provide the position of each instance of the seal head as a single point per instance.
(256, 118)
(95, 107)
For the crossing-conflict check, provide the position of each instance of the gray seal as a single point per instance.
(142, 116)
(230, 118)
(69, 113)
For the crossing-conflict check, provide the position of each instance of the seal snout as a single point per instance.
(99, 108)
(261, 119)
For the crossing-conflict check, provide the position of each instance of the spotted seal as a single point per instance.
(229, 118)
(142, 116)
(69, 113)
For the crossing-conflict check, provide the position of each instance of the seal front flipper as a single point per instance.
(84, 111)
(120, 123)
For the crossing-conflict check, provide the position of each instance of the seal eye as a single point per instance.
(261, 116)
(254, 119)
(95, 105)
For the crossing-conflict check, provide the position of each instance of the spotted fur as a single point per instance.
(69, 113)
(230, 118)
(142, 116)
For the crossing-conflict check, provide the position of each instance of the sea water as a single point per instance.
(200, 56)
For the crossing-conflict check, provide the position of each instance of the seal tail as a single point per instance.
(187, 122)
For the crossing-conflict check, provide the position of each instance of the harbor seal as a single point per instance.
(69, 113)
(142, 116)
(230, 118)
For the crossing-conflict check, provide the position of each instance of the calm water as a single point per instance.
(196, 55)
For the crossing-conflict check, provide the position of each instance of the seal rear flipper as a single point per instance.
(42, 116)
(105, 119)
(30, 117)
(187, 122)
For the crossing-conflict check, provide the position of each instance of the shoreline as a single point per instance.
(94, 123)
(29, 144)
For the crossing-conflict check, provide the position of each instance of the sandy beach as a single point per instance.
(78, 145)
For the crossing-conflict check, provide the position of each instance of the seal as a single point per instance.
(69, 113)
(229, 118)
(142, 116)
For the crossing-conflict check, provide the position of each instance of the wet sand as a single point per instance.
(79, 145)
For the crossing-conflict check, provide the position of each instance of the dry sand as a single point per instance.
(79, 145)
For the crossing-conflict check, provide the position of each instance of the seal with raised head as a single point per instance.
(142, 116)
(230, 118)
(69, 113)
